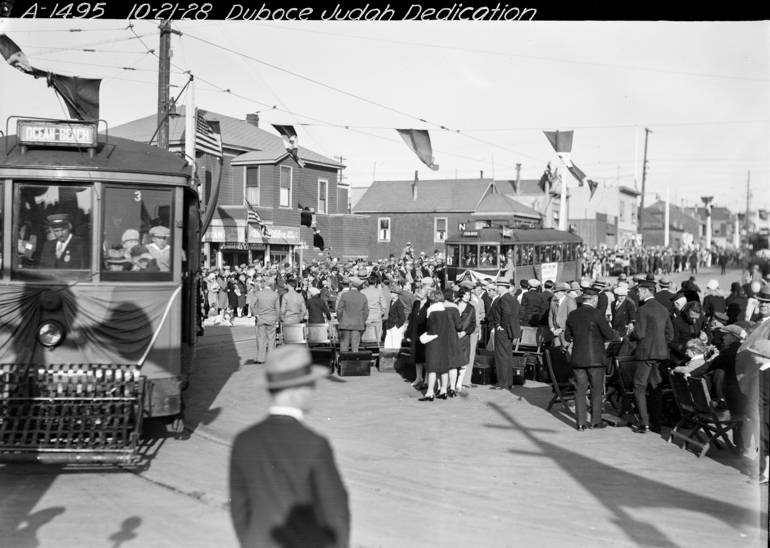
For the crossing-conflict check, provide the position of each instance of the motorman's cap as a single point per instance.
(59, 220)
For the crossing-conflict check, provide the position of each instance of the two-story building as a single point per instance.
(530, 193)
(684, 229)
(609, 217)
(424, 213)
(722, 225)
(258, 168)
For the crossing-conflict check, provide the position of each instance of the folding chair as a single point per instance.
(369, 341)
(689, 415)
(716, 423)
(562, 377)
(321, 343)
(623, 386)
(294, 333)
(530, 346)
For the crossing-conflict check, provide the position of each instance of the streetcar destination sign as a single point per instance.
(36, 132)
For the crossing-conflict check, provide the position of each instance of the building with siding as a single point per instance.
(424, 213)
(608, 218)
(258, 168)
(684, 228)
(722, 225)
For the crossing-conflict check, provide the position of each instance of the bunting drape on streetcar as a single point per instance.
(107, 324)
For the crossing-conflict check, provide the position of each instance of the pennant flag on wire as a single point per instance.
(80, 95)
(253, 219)
(561, 141)
(13, 54)
(206, 139)
(290, 141)
(419, 141)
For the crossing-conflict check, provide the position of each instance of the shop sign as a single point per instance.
(222, 234)
(471, 234)
(242, 246)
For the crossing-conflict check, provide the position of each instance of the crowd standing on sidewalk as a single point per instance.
(721, 336)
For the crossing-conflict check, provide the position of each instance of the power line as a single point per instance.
(535, 57)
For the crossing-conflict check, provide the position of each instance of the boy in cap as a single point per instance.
(66, 250)
(159, 248)
(285, 489)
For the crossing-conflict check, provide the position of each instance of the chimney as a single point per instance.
(481, 175)
(518, 177)
(414, 187)
(253, 119)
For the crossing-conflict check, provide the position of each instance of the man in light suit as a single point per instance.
(653, 331)
(352, 312)
(267, 310)
(293, 308)
(561, 305)
(285, 489)
(505, 319)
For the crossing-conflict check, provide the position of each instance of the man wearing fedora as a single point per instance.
(561, 305)
(589, 329)
(267, 310)
(285, 489)
(352, 312)
(65, 251)
(653, 332)
(665, 296)
(505, 320)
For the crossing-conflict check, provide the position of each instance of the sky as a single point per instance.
(485, 91)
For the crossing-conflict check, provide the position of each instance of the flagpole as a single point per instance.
(666, 236)
(563, 206)
(189, 126)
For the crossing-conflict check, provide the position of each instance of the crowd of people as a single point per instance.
(686, 330)
(599, 262)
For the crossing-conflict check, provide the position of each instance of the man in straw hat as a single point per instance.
(285, 489)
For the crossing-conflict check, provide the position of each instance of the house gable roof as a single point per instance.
(238, 136)
(502, 204)
(446, 195)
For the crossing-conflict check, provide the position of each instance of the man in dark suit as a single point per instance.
(285, 489)
(665, 296)
(588, 327)
(505, 314)
(623, 311)
(65, 251)
(653, 332)
(267, 310)
(531, 305)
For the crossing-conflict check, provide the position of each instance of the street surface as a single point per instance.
(488, 469)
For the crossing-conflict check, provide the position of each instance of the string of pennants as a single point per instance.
(81, 96)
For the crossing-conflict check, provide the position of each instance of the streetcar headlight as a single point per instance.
(50, 333)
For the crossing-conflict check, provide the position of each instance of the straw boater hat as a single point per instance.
(292, 366)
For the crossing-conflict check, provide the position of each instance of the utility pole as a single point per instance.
(748, 197)
(347, 205)
(644, 178)
(164, 81)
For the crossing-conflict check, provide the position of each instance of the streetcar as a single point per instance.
(513, 253)
(99, 266)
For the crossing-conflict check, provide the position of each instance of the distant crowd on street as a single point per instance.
(718, 334)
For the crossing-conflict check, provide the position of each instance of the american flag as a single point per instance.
(206, 140)
(253, 218)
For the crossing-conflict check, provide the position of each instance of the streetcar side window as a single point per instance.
(136, 243)
(53, 230)
(469, 256)
(488, 256)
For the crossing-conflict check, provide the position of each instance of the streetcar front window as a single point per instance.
(53, 231)
(136, 243)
